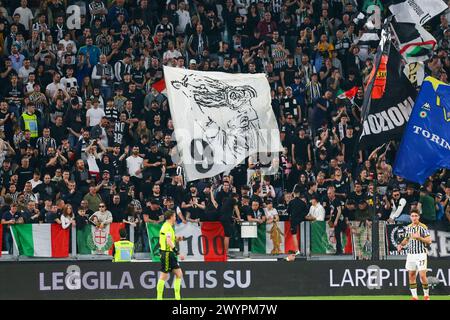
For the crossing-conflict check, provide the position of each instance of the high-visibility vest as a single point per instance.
(31, 124)
(123, 251)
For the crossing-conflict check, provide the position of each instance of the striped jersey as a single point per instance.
(280, 55)
(94, 6)
(416, 246)
(276, 6)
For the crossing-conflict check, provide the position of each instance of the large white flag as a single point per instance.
(220, 119)
(416, 11)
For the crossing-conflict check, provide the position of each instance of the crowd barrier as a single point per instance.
(205, 241)
(108, 280)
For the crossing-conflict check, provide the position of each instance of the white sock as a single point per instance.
(426, 290)
(413, 289)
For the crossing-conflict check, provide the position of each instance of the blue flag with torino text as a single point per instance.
(425, 146)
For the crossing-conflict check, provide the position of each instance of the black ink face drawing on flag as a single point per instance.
(220, 119)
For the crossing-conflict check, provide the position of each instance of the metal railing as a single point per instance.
(304, 246)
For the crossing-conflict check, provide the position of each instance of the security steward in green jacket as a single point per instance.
(123, 249)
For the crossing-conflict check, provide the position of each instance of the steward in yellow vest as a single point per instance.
(123, 249)
(29, 120)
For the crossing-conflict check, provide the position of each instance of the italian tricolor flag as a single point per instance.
(349, 94)
(323, 240)
(274, 238)
(202, 242)
(41, 240)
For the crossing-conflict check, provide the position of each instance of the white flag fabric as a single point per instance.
(417, 11)
(220, 119)
(415, 72)
(415, 43)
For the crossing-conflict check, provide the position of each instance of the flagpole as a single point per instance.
(375, 219)
(383, 47)
(375, 225)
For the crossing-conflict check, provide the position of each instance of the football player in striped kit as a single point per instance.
(417, 239)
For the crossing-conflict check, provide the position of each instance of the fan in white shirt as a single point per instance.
(184, 18)
(69, 81)
(94, 115)
(66, 41)
(270, 212)
(26, 15)
(53, 87)
(36, 180)
(171, 52)
(93, 157)
(316, 211)
(67, 217)
(134, 163)
(25, 70)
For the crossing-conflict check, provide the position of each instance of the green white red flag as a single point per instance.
(349, 94)
(274, 238)
(47, 240)
(323, 240)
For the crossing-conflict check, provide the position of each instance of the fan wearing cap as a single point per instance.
(119, 99)
(152, 212)
(193, 64)
(105, 186)
(399, 208)
(193, 205)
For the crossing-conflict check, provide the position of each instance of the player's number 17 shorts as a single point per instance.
(416, 262)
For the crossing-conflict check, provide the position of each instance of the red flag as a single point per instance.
(60, 241)
(212, 236)
(349, 245)
(114, 232)
(160, 86)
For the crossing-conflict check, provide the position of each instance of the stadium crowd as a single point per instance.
(83, 128)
